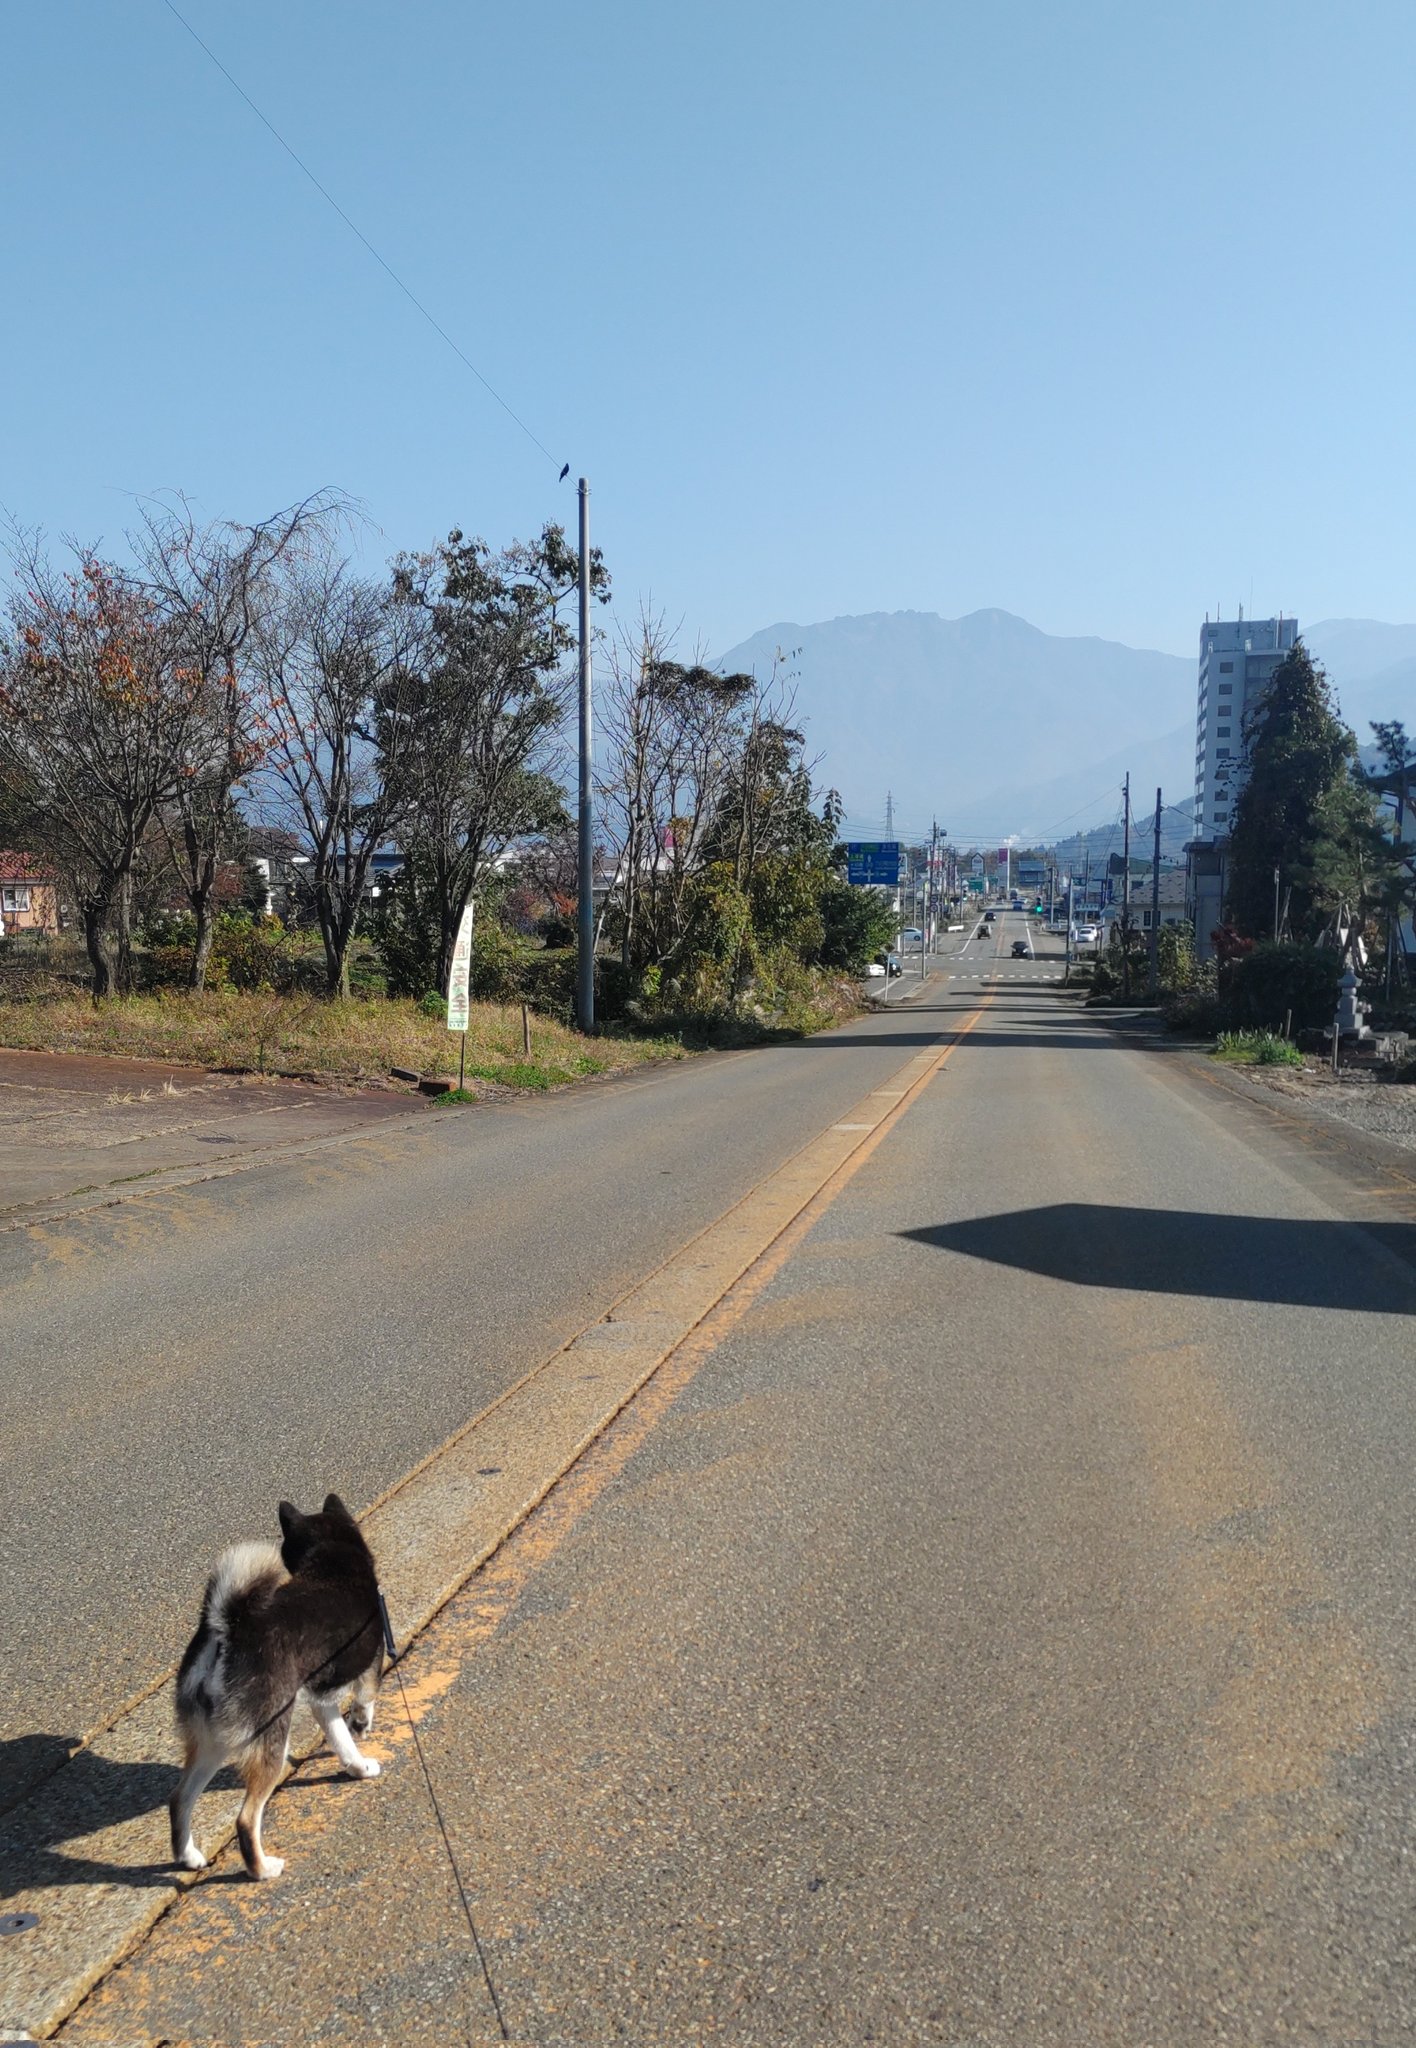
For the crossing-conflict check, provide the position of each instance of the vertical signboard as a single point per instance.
(459, 980)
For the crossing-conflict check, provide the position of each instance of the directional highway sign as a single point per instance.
(873, 864)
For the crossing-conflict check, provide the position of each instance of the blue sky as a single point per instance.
(1101, 313)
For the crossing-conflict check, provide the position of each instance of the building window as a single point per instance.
(1226, 689)
(1220, 816)
(1221, 754)
(15, 899)
(1222, 732)
(1226, 668)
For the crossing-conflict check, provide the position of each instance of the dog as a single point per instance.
(279, 1624)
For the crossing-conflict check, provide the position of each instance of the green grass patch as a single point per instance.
(454, 1095)
(1257, 1049)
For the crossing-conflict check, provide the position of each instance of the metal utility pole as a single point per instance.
(1155, 906)
(1126, 893)
(585, 950)
(1277, 874)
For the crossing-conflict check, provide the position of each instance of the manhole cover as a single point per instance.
(16, 1923)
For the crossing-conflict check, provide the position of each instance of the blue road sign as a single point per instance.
(874, 864)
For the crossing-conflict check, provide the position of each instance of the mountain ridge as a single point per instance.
(998, 727)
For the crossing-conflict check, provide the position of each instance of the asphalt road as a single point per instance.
(1006, 1636)
(177, 1364)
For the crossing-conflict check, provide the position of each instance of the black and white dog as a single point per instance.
(278, 1625)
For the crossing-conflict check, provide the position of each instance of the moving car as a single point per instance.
(913, 933)
(1021, 950)
(1086, 934)
(891, 964)
(989, 915)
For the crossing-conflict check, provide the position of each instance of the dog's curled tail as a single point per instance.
(237, 1572)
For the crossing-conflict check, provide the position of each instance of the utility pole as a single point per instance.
(932, 931)
(1126, 893)
(1277, 875)
(1155, 906)
(585, 950)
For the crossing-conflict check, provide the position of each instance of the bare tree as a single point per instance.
(674, 737)
(212, 583)
(333, 656)
(95, 712)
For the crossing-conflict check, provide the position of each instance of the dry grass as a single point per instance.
(360, 1040)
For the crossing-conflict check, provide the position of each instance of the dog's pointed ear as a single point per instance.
(295, 1528)
(335, 1506)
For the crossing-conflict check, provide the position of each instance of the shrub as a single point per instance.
(1197, 1012)
(1175, 959)
(1275, 979)
(1257, 1049)
(253, 954)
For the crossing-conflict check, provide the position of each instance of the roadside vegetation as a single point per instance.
(344, 1038)
(1314, 856)
(1257, 1049)
(263, 789)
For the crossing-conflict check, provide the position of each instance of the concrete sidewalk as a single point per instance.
(76, 1125)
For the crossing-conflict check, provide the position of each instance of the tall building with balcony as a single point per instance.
(1237, 657)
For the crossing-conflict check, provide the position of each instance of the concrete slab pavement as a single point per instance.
(75, 1125)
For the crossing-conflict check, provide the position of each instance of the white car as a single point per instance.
(1085, 935)
(912, 933)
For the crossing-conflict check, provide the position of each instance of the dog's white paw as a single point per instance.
(270, 1866)
(366, 1767)
(192, 1858)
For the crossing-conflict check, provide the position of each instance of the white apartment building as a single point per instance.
(1237, 657)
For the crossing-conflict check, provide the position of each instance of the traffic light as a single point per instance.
(1037, 910)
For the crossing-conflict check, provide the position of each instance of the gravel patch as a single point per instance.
(1386, 1109)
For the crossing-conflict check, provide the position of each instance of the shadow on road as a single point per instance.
(1299, 1263)
(86, 1793)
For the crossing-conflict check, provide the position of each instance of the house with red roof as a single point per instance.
(29, 895)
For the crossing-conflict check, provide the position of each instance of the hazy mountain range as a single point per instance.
(996, 728)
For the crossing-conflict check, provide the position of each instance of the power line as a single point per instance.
(382, 261)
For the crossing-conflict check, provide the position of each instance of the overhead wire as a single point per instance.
(357, 231)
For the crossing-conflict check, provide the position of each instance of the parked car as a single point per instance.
(875, 970)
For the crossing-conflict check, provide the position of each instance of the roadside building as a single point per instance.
(1237, 657)
(29, 895)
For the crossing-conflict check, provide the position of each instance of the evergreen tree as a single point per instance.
(1299, 756)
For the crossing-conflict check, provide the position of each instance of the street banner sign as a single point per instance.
(873, 864)
(459, 981)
